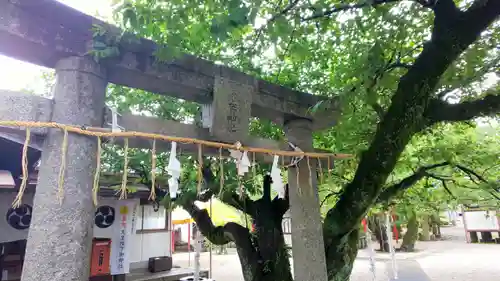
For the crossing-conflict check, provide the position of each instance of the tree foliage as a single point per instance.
(412, 78)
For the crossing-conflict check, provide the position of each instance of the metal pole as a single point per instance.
(189, 243)
(210, 249)
(198, 242)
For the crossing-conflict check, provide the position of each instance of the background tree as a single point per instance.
(401, 69)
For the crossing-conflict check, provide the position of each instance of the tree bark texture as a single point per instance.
(411, 234)
(263, 254)
(409, 113)
(426, 231)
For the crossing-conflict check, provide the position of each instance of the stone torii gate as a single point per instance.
(60, 235)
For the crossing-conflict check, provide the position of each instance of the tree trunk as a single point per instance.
(341, 253)
(263, 253)
(436, 229)
(379, 228)
(273, 256)
(426, 235)
(411, 234)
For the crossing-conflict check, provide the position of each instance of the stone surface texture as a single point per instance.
(59, 240)
(25, 107)
(307, 231)
(231, 106)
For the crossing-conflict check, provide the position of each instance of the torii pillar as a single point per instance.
(309, 261)
(60, 236)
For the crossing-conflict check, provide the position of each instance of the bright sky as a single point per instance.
(17, 75)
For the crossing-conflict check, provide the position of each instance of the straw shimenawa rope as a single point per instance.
(152, 195)
(97, 173)
(62, 168)
(24, 162)
(98, 133)
(123, 190)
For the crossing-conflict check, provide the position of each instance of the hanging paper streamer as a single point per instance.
(242, 161)
(391, 248)
(371, 251)
(277, 184)
(174, 170)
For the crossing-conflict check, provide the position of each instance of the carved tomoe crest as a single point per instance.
(19, 218)
(104, 216)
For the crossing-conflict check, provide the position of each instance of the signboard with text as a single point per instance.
(122, 236)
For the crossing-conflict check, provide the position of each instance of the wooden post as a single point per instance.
(308, 247)
(60, 235)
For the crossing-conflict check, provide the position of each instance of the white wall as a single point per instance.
(481, 221)
(143, 246)
(148, 245)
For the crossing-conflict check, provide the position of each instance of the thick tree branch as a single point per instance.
(441, 111)
(283, 12)
(244, 204)
(274, 17)
(443, 8)
(407, 182)
(330, 195)
(471, 173)
(219, 235)
(346, 7)
(398, 64)
(405, 116)
(281, 205)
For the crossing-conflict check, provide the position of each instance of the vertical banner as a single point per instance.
(122, 236)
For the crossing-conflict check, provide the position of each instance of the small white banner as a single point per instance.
(122, 236)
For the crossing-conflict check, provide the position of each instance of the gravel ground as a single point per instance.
(449, 260)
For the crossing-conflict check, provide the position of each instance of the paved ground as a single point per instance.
(449, 260)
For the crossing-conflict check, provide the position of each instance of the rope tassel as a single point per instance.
(221, 173)
(152, 195)
(123, 193)
(24, 162)
(97, 174)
